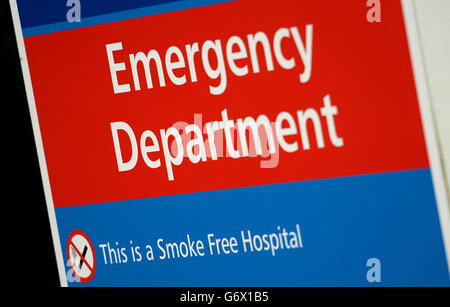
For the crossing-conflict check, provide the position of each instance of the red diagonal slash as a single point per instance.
(81, 256)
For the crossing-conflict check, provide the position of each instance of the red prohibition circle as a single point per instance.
(94, 265)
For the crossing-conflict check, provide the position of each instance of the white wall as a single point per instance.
(433, 17)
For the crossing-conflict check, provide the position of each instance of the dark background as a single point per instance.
(26, 234)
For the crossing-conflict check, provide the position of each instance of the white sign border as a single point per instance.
(423, 97)
(422, 94)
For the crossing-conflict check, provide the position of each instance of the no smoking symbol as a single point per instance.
(80, 252)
